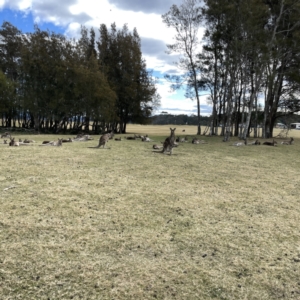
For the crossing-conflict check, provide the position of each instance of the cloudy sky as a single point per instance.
(66, 17)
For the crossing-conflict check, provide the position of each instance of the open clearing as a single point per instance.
(212, 221)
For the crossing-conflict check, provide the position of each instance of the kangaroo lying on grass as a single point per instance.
(274, 143)
(256, 142)
(28, 141)
(288, 142)
(17, 144)
(146, 139)
(6, 134)
(69, 140)
(169, 142)
(155, 146)
(82, 138)
(57, 143)
(240, 143)
(14, 143)
(197, 141)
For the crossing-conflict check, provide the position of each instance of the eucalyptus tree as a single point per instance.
(10, 47)
(186, 20)
(283, 50)
(43, 68)
(95, 98)
(7, 93)
(232, 29)
(121, 60)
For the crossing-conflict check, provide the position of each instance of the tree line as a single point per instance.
(249, 62)
(51, 83)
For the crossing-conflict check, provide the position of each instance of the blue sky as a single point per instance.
(67, 16)
(25, 21)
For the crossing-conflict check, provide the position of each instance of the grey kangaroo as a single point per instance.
(169, 142)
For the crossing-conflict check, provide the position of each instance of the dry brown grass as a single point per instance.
(211, 221)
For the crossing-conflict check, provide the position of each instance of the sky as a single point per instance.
(67, 16)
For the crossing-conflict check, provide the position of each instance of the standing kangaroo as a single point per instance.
(104, 139)
(169, 142)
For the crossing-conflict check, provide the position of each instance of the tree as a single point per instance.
(252, 48)
(10, 48)
(120, 58)
(7, 94)
(42, 68)
(186, 20)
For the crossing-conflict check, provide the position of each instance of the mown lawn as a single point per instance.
(212, 221)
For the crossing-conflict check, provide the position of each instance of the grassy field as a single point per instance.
(212, 221)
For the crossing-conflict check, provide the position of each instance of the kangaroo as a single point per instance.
(118, 139)
(274, 143)
(169, 142)
(6, 134)
(57, 143)
(103, 140)
(288, 142)
(5, 142)
(69, 140)
(256, 142)
(146, 139)
(197, 141)
(240, 143)
(155, 146)
(28, 141)
(82, 138)
(14, 143)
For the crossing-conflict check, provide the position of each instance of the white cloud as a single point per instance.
(25, 4)
(144, 16)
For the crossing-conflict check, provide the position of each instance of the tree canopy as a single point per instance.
(249, 61)
(51, 83)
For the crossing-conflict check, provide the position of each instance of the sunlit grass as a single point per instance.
(211, 221)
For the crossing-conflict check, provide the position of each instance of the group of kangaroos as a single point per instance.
(172, 142)
(166, 146)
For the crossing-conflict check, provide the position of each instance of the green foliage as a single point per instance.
(60, 80)
(251, 51)
(7, 93)
(121, 60)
